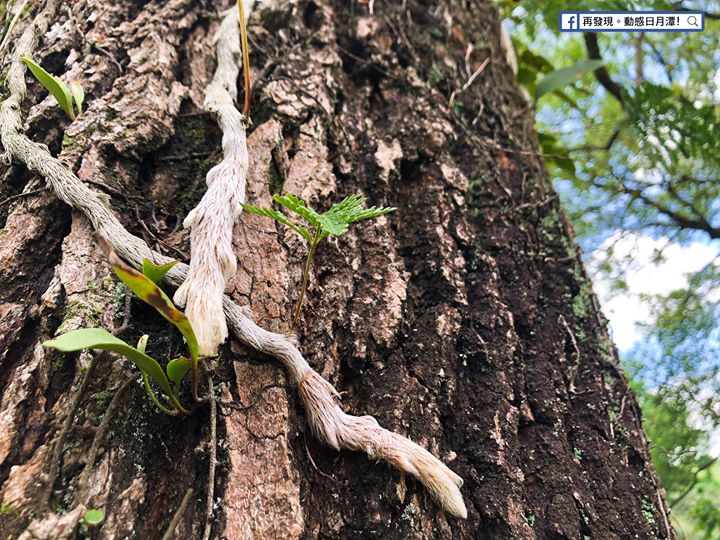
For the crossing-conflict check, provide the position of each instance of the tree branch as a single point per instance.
(603, 148)
(601, 74)
(684, 221)
(694, 482)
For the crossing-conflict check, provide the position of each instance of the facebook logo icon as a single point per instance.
(569, 21)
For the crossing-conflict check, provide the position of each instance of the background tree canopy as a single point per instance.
(632, 148)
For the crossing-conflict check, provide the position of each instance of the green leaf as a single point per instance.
(154, 272)
(334, 224)
(99, 338)
(78, 95)
(278, 216)
(350, 210)
(566, 166)
(154, 398)
(56, 87)
(177, 368)
(149, 292)
(535, 62)
(335, 221)
(562, 77)
(142, 343)
(94, 516)
(294, 204)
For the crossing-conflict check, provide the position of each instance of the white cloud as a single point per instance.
(624, 309)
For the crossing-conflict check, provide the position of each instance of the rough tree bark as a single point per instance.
(465, 320)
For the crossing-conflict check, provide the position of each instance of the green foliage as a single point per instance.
(6, 509)
(562, 77)
(98, 338)
(94, 516)
(78, 95)
(679, 450)
(279, 216)
(146, 289)
(335, 221)
(67, 98)
(531, 67)
(156, 273)
(644, 159)
(177, 368)
(350, 210)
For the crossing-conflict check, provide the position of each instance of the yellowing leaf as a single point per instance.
(149, 292)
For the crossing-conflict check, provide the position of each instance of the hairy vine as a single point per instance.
(212, 260)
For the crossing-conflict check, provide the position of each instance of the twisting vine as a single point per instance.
(212, 260)
(327, 420)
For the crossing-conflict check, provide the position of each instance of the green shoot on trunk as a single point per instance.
(69, 99)
(145, 287)
(335, 222)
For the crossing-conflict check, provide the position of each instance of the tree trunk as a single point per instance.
(464, 320)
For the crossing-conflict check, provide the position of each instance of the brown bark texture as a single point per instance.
(464, 320)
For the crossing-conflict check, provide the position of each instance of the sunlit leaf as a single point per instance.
(350, 210)
(294, 204)
(335, 221)
(99, 338)
(54, 85)
(142, 343)
(154, 272)
(78, 95)
(562, 77)
(278, 216)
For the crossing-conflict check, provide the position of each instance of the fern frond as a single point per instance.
(294, 204)
(278, 216)
(350, 210)
(372, 212)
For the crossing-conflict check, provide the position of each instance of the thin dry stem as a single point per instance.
(170, 531)
(246, 58)
(305, 279)
(209, 501)
(99, 436)
(54, 466)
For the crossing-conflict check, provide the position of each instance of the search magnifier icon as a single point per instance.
(692, 21)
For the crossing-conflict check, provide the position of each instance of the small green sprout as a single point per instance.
(333, 222)
(94, 517)
(144, 286)
(6, 509)
(68, 98)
